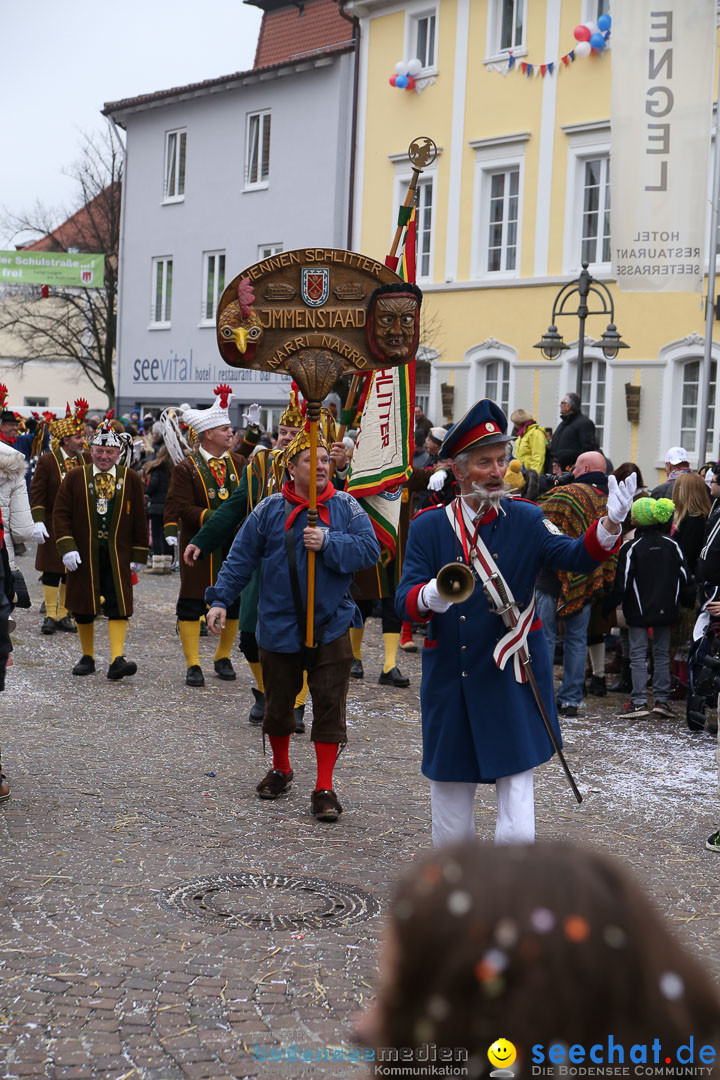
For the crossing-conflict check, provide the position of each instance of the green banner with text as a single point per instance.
(52, 268)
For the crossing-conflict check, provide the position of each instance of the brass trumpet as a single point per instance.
(455, 582)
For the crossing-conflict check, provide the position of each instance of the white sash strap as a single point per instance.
(514, 642)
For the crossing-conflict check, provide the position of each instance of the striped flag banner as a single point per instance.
(384, 450)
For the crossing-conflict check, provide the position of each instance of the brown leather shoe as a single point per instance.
(4, 788)
(325, 806)
(275, 783)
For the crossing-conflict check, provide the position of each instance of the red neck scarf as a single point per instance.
(302, 504)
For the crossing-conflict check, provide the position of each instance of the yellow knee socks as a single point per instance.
(226, 639)
(61, 609)
(190, 639)
(257, 675)
(356, 637)
(86, 633)
(117, 628)
(50, 596)
(390, 641)
(302, 696)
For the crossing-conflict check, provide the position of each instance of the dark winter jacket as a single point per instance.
(156, 489)
(707, 570)
(651, 578)
(574, 435)
(690, 535)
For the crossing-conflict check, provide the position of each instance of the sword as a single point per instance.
(508, 614)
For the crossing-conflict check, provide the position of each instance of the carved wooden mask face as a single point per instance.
(393, 327)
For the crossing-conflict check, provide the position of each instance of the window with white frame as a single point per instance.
(502, 220)
(689, 420)
(213, 283)
(161, 298)
(587, 206)
(506, 29)
(423, 39)
(257, 158)
(593, 396)
(497, 207)
(424, 215)
(266, 250)
(496, 382)
(591, 10)
(175, 155)
(595, 226)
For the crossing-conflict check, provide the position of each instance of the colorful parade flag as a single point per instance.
(384, 450)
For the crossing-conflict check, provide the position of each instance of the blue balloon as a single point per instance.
(597, 42)
(401, 82)
(604, 22)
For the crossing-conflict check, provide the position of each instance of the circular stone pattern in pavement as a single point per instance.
(270, 901)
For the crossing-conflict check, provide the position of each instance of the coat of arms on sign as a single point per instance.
(315, 285)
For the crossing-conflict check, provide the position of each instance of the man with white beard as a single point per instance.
(480, 721)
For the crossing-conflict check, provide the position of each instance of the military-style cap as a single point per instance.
(485, 423)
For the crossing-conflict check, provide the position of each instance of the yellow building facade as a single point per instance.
(517, 199)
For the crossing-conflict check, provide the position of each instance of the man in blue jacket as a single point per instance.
(480, 721)
(275, 536)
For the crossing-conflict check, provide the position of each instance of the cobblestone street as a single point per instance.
(144, 931)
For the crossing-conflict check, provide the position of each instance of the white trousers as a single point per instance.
(453, 810)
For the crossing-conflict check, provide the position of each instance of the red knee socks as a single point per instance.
(280, 746)
(326, 754)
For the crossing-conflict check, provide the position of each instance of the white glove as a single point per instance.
(40, 533)
(620, 497)
(71, 560)
(431, 599)
(252, 416)
(171, 541)
(133, 567)
(437, 480)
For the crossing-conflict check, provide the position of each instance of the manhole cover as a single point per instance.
(270, 901)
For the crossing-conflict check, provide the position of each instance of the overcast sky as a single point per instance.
(63, 59)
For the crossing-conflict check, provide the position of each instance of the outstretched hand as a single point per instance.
(620, 497)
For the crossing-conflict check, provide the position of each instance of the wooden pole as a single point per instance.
(355, 384)
(408, 202)
(312, 520)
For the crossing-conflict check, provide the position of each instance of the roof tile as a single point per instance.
(291, 32)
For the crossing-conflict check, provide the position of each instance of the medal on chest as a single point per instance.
(102, 505)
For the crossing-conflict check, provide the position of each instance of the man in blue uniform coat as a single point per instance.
(480, 721)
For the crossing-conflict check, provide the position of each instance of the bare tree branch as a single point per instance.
(76, 325)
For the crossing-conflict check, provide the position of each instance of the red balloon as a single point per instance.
(411, 83)
(581, 33)
(392, 79)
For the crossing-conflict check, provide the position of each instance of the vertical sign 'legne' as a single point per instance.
(661, 109)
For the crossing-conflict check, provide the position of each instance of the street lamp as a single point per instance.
(551, 344)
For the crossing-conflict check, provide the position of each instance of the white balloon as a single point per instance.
(592, 27)
(402, 67)
(583, 48)
(415, 67)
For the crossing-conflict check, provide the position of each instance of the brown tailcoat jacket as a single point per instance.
(75, 522)
(191, 500)
(44, 486)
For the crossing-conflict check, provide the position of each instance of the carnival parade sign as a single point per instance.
(317, 313)
(316, 299)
